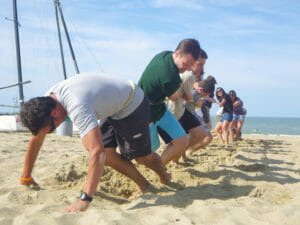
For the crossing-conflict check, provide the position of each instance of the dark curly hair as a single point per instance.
(36, 114)
(207, 86)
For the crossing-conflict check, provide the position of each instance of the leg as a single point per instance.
(218, 131)
(231, 131)
(225, 125)
(154, 162)
(197, 134)
(178, 139)
(114, 160)
(206, 139)
(175, 149)
(239, 127)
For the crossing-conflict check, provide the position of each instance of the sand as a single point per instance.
(253, 181)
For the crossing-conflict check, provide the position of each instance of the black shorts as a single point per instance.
(131, 134)
(187, 120)
(205, 112)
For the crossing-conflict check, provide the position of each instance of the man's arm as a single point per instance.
(33, 149)
(92, 141)
(221, 104)
(177, 94)
(188, 97)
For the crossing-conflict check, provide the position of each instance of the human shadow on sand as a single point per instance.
(185, 197)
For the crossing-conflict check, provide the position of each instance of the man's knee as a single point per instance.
(183, 141)
(209, 137)
(143, 159)
(198, 133)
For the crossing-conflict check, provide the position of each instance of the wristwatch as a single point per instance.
(85, 197)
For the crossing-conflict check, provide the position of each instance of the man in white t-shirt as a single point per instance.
(124, 112)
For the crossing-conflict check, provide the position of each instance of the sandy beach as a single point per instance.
(253, 181)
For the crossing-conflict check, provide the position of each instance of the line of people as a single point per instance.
(230, 117)
(165, 103)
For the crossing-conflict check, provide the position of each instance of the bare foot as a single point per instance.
(149, 189)
(189, 153)
(184, 157)
(135, 194)
(166, 178)
(176, 161)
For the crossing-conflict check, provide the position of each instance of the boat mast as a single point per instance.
(57, 6)
(18, 55)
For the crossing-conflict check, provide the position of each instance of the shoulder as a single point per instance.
(187, 75)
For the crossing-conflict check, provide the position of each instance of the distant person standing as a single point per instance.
(221, 128)
(239, 113)
(160, 80)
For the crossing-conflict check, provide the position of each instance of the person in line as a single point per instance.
(202, 91)
(221, 128)
(188, 121)
(124, 112)
(160, 80)
(208, 103)
(239, 113)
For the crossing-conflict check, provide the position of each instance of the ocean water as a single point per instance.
(270, 125)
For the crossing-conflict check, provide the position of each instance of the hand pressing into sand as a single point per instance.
(78, 206)
(28, 181)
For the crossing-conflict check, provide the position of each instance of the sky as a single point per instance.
(253, 46)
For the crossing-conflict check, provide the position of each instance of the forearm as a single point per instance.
(198, 103)
(34, 146)
(95, 171)
(212, 100)
(188, 97)
(237, 103)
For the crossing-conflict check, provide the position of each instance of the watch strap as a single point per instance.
(85, 197)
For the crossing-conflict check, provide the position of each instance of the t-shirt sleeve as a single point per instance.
(84, 119)
(188, 83)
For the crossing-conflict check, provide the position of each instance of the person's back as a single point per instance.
(88, 97)
(159, 80)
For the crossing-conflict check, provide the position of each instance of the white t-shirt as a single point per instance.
(177, 107)
(88, 97)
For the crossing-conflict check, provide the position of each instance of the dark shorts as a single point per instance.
(131, 134)
(205, 112)
(187, 120)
